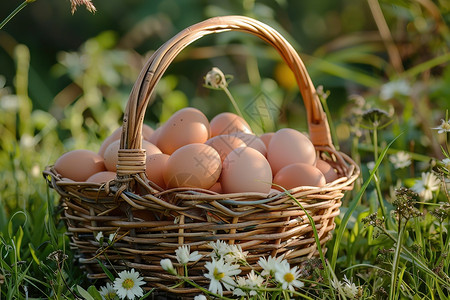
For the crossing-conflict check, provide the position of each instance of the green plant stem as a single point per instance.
(14, 12)
(395, 263)
(376, 177)
(225, 89)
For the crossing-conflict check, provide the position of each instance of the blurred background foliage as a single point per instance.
(65, 80)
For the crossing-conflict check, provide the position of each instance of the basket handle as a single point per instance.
(130, 154)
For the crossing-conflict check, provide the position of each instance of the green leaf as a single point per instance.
(83, 293)
(94, 292)
(107, 272)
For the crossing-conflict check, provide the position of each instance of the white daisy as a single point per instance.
(129, 285)
(444, 127)
(220, 249)
(240, 284)
(184, 256)
(220, 272)
(254, 281)
(426, 186)
(235, 254)
(288, 277)
(166, 264)
(269, 265)
(400, 160)
(108, 292)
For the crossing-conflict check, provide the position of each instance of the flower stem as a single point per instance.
(14, 12)
(225, 89)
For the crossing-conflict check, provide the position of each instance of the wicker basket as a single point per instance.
(151, 223)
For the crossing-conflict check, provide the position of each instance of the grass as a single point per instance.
(390, 243)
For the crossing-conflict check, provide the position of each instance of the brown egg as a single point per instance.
(112, 153)
(111, 138)
(154, 168)
(252, 141)
(193, 165)
(226, 123)
(216, 188)
(266, 137)
(289, 146)
(327, 170)
(102, 177)
(224, 144)
(246, 170)
(79, 165)
(186, 126)
(155, 136)
(147, 132)
(298, 174)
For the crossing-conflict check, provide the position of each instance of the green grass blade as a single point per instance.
(354, 204)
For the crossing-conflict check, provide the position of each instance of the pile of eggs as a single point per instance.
(222, 155)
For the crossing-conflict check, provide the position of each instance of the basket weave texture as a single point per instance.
(150, 223)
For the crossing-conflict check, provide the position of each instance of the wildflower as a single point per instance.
(184, 256)
(375, 118)
(404, 203)
(166, 264)
(426, 186)
(444, 127)
(254, 281)
(200, 297)
(215, 78)
(129, 285)
(220, 249)
(288, 277)
(220, 272)
(108, 292)
(446, 162)
(349, 288)
(269, 265)
(235, 254)
(89, 6)
(99, 236)
(400, 160)
(111, 237)
(241, 283)
(370, 165)
(395, 88)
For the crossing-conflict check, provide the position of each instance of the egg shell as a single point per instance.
(187, 126)
(102, 177)
(289, 146)
(79, 165)
(226, 123)
(112, 153)
(327, 170)
(111, 138)
(147, 132)
(155, 135)
(155, 166)
(252, 141)
(216, 188)
(246, 170)
(266, 137)
(224, 144)
(298, 174)
(193, 165)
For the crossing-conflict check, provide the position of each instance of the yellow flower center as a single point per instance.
(218, 275)
(128, 284)
(289, 277)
